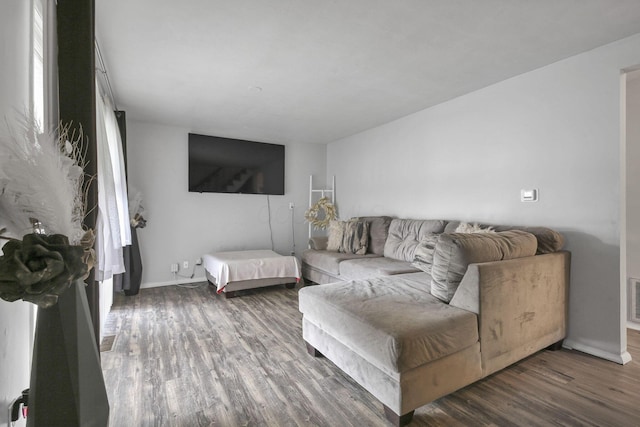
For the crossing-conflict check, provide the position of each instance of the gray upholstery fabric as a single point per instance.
(404, 392)
(364, 326)
(370, 267)
(313, 275)
(523, 307)
(392, 322)
(455, 251)
(451, 226)
(356, 237)
(549, 240)
(328, 260)
(378, 231)
(423, 255)
(405, 234)
(318, 242)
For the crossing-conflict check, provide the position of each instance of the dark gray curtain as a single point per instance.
(129, 281)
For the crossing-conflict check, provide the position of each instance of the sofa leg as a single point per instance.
(397, 420)
(312, 350)
(556, 346)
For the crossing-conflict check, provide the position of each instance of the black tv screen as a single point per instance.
(225, 165)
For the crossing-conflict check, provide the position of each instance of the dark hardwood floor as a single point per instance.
(189, 357)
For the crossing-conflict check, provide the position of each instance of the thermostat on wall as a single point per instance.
(529, 195)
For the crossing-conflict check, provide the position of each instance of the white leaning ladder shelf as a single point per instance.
(323, 192)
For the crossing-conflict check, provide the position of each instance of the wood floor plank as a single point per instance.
(190, 357)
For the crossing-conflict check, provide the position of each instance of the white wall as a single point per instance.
(633, 176)
(106, 301)
(183, 226)
(15, 327)
(556, 129)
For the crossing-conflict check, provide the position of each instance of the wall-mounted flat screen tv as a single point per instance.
(225, 165)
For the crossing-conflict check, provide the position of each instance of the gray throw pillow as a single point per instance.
(378, 231)
(355, 237)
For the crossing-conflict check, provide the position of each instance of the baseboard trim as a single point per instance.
(179, 281)
(633, 325)
(619, 358)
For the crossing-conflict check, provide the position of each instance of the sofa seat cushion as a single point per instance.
(329, 261)
(393, 322)
(363, 268)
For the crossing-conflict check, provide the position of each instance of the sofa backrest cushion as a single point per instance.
(319, 243)
(549, 241)
(455, 251)
(378, 231)
(405, 235)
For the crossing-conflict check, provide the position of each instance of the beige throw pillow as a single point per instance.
(336, 233)
(465, 227)
(348, 236)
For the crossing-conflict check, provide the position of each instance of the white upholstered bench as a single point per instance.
(240, 270)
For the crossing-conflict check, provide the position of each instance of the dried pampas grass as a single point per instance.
(42, 177)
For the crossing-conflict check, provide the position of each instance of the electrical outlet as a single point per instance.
(174, 267)
(185, 264)
(198, 261)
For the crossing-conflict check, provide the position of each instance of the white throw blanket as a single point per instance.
(237, 266)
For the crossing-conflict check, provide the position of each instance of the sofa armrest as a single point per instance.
(319, 243)
(521, 305)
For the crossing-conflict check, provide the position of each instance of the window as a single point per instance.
(37, 63)
(37, 100)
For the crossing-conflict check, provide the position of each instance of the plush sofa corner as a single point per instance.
(411, 335)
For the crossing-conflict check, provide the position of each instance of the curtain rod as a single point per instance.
(103, 69)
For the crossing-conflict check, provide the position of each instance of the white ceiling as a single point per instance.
(288, 71)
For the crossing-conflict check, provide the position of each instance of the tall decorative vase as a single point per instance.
(67, 387)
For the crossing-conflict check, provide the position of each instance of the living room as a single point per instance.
(562, 127)
(551, 129)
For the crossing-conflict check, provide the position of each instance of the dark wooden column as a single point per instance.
(77, 98)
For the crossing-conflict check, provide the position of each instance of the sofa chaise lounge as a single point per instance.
(434, 310)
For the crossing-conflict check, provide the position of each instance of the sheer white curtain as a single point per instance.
(112, 227)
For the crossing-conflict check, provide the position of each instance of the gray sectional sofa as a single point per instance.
(428, 310)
